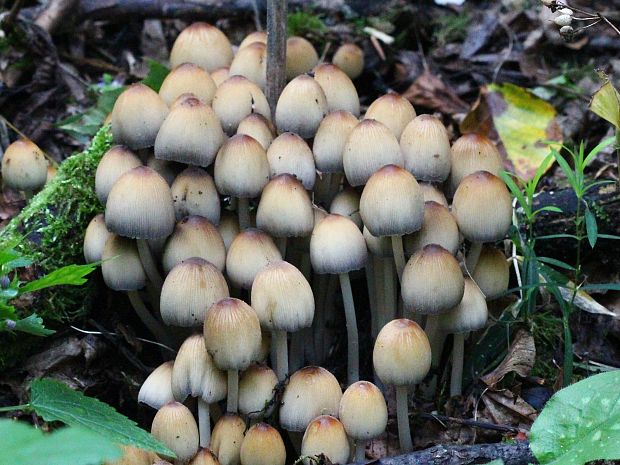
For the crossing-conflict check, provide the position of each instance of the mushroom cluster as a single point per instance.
(231, 232)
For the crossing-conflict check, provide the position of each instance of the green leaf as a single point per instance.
(157, 74)
(72, 275)
(606, 104)
(54, 401)
(591, 227)
(496, 462)
(32, 324)
(21, 444)
(580, 423)
(601, 287)
(555, 262)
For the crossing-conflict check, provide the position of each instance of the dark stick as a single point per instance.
(276, 51)
(473, 423)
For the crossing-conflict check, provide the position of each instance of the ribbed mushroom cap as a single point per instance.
(347, 203)
(132, 456)
(174, 425)
(326, 435)
(226, 439)
(301, 57)
(137, 116)
(469, 315)
(433, 193)
(256, 385)
(241, 167)
(252, 37)
(121, 266)
(187, 78)
(310, 392)
(492, 272)
(482, 207)
(95, 237)
(258, 127)
(51, 174)
(285, 209)
(236, 98)
(402, 353)
(202, 44)
(337, 246)
(263, 445)
(329, 141)
(282, 298)
(191, 133)
(392, 202)
(250, 252)
(251, 62)
(289, 153)
(350, 59)
(438, 227)
(189, 290)
(370, 146)
(166, 169)
(432, 281)
(393, 110)
(156, 390)
(220, 75)
(194, 236)
(232, 334)
(228, 228)
(379, 246)
(426, 149)
(194, 373)
(24, 166)
(204, 457)
(140, 205)
(301, 107)
(114, 163)
(363, 411)
(338, 88)
(265, 347)
(471, 153)
(194, 193)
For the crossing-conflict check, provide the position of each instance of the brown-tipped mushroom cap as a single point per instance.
(433, 193)
(393, 110)
(140, 205)
(337, 246)
(204, 457)
(256, 36)
(469, 315)
(194, 193)
(189, 290)
(121, 268)
(156, 390)
(114, 163)
(187, 78)
(310, 392)
(492, 272)
(402, 353)
(202, 44)
(471, 153)
(301, 57)
(439, 227)
(370, 146)
(95, 237)
(24, 166)
(338, 88)
(326, 435)
(236, 98)
(220, 75)
(330, 139)
(301, 107)
(250, 252)
(226, 439)
(258, 127)
(347, 203)
(426, 149)
(133, 456)
(174, 425)
(289, 153)
(363, 411)
(350, 59)
(251, 62)
(262, 445)
(256, 390)
(137, 116)
(228, 228)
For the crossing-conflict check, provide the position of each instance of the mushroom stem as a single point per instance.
(436, 337)
(318, 324)
(243, 210)
(232, 400)
(281, 243)
(402, 414)
(149, 264)
(389, 311)
(154, 326)
(399, 255)
(351, 321)
(204, 423)
(472, 257)
(296, 352)
(379, 294)
(360, 451)
(372, 296)
(456, 376)
(279, 339)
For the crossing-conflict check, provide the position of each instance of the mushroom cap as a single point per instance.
(471, 153)
(262, 445)
(194, 373)
(433, 193)
(326, 435)
(347, 203)
(241, 167)
(350, 59)
(363, 411)
(133, 456)
(402, 353)
(256, 390)
(426, 149)
(301, 57)
(226, 439)
(189, 290)
(249, 253)
(220, 75)
(258, 127)
(166, 169)
(95, 237)
(194, 236)
(187, 78)
(194, 193)
(232, 334)
(432, 281)
(492, 272)
(140, 205)
(236, 98)
(393, 110)
(156, 390)
(204, 457)
(310, 392)
(285, 208)
(379, 246)
(482, 207)
(191, 133)
(137, 115)
(337, 246)
(469, 315)
(339, 90)
(51, 174)
(282, 298)
(202, 44)
(290, 154)
(301, 107)
(251, 62)
(114, 163)
(24, 166)
(370, 146)
(438, 227)
(174, 425)
(392, 203)
(121, 266)
(228, 228)
(330, 139)
(256, 36)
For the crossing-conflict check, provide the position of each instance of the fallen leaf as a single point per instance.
(430, 91)
(506, 408)
(519, 359)
(606, 104)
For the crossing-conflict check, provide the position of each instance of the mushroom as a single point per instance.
(347, 203)
(166, 169)
(262, 445)
(220, 75)
(258, 127)
(290, 154)
(338, 88)
(251, 62)
(114, 163)
(228, 228)
(204, 457)
(301, 107)
(256, 36)
(187, 78)
(236, 98)
(433, 193)
(301, 57)
(95, 237)
(326, 435)
(202, 44)
(175, 427)
(24, 166)
(226, 439)
(471, 153)
(492, 272)
(438, 227)
(156, 390)
(426, 149)
(194, 193)
(393, 110)
(250, 252)
(133, 456)
(256, 391)
(350, 59)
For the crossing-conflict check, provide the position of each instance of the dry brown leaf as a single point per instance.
(431, 92)
(506, 408)
(520, 359)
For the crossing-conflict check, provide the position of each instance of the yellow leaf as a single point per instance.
(606, 104)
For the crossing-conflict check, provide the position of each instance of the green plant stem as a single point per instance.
(399, 255)
(204, 423)
(456, 377)
(232, 400)
(402, 414)
(243, 210)
(353, 355)
(14, 408)
(279, 339)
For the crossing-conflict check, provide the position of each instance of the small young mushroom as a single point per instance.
(220, 75)
(256, 391)
(194, 193)
(326, 435)
(347, 203)
(202, 44)
(228, 228)
(330, 139)
(204, 457)
(95, 237)
(426, 149)
(24, 166)
(301, 57)
(114, 163)
(470, 153)
(349, 58)
(174, 425)
(339, 90)
(256, 36)
(156, 390)
(250, 252)
(236, 98)
(226, 439)
(438, 227)
(301, 107)
(433, 193)
(290, 154)
(251, 63)
(133, 456)
(262, 445)
(393, 110)
(258, 127)
(187, 78)
(492, 272)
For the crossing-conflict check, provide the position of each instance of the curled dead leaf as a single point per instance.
(519, 359)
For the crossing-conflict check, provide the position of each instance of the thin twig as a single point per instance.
(473, 423)
(276, 51)
(10, 19)
(101, 333)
